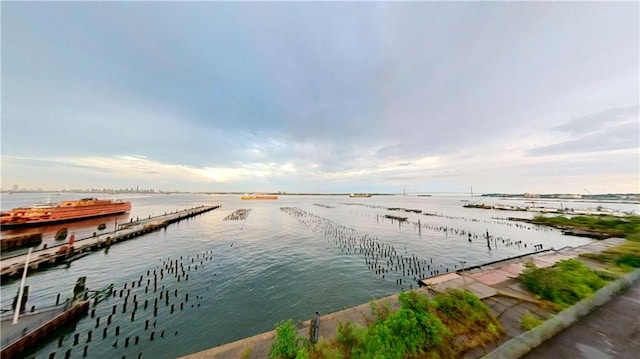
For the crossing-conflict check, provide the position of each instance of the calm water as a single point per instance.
(245, 276)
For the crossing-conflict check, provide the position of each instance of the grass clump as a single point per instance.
(622, 258)
(628, 260)
(564, 284)
(529, 321)
(446, 325)
(462, 310)
(468, 318)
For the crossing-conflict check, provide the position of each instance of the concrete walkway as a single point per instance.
(611, 331)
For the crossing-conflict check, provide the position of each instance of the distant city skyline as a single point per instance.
(377, 97)
(634, 196)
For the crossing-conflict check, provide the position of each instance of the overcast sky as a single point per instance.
(322, 97)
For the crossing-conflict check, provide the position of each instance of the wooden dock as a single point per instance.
(48, 257)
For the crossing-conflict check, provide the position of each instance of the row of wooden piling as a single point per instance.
(238, 215)
(145, 299)
(384, 259)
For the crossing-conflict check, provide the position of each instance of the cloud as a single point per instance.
(614, 129)
(51, 163)
(597, 121)
(316, 95)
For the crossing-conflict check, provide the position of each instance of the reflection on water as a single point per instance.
(227, 279)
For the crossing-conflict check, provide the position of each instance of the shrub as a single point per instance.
(326, 350)
(461, 305)
(565, 284)
(416, 329)
(407, 332)
(302, 353)
(350, 335)
(285, 345)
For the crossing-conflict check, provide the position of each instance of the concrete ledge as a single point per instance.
(525, 342)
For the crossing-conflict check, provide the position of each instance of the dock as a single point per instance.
(12, 267)
(34, 327)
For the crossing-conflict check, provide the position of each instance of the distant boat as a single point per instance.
(65, 211)
(359, 195)
(424, 195)
(258, 196)
(481, 206)
(397, 218)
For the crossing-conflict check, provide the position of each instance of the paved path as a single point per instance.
(611, 331)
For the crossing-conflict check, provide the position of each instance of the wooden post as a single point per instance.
(21, 292)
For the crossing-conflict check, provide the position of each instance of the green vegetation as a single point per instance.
(408, 331)
(620, 259)
(623, 258)
(529, 321)
(288, 344)
(601, 226)
(381, 309)
(563, 284)
(446, 325)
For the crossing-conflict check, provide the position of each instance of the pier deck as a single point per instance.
(47, 257)
(26, 323)
(32, 328)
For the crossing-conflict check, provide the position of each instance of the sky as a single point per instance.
(325, 97)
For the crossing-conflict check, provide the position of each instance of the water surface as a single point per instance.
(245, 276)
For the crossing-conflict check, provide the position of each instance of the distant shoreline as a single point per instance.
(629, 198)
